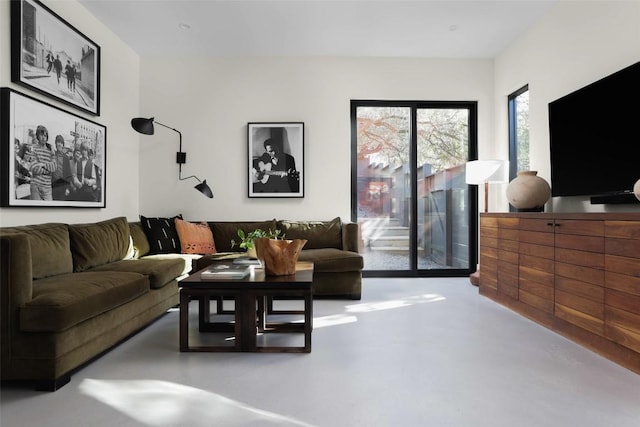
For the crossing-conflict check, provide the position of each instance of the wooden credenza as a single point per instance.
(576, 274)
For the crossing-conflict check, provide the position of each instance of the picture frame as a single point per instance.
(50, 56)
(275, 159)
(50, 157)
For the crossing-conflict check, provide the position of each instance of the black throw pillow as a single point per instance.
(161, 234)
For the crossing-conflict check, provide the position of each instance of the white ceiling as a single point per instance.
(414, 28)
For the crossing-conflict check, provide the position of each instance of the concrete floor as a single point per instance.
(413, 352)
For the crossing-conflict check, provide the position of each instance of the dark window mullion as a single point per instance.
(413, 160)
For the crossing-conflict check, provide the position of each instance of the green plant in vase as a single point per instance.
(246, 239)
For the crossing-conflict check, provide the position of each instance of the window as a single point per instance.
(518, 131)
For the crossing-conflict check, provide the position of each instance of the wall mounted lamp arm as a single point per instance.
(145, 126)
(181, 156)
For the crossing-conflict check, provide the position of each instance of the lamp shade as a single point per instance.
(204, 189)
(143, 125)
(483, 171)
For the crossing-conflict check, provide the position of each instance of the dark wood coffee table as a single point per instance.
(253, 297)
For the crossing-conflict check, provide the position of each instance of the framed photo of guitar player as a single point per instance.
(276, 159)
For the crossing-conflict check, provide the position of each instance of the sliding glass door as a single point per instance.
(409, 191)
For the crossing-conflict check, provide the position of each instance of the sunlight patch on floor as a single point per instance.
(391, 304)
(333, 320)
(163, 403)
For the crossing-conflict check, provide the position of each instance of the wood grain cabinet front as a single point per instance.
(536, 265)
(489, 255)
(622, 283)
(499, 257)
(577, 274)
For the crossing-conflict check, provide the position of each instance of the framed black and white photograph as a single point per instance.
(50, 157)
(276, 159)
(52, 57)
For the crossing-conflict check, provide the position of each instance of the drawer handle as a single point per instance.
(551, 224)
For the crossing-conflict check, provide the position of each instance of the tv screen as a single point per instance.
(595, 137)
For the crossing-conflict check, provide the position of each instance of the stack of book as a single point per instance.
(247, 261)
(226, 271)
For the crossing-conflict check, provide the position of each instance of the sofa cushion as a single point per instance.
(195, 238)
(50, 248)
(140, 241)
(99, 243)
(63, 301)
(226, 231)
(161, 234)
(320, 234)
(189, 260)
(331, 260)
(158, 271)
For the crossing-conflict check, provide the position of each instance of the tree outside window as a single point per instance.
(519, 131)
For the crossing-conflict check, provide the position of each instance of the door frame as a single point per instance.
(472, 191)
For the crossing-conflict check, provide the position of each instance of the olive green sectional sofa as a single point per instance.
(331, 245)
(69, 292)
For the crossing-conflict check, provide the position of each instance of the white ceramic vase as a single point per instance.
(636, 189)
(528, 192)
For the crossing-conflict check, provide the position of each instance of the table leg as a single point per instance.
(262, 314)
(184, 321)
(204, 311)
(308, 321)
(246, 321)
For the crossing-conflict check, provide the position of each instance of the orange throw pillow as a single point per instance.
(195, 238)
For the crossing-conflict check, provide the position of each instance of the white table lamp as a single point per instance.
(487, 171)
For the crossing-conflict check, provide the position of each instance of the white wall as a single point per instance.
(576, 43)
(211, 101)
(120, 94)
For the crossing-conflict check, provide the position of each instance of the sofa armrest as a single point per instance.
(350, 236)
(16, 274)
(16, 288)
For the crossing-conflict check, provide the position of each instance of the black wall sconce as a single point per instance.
(145, 126)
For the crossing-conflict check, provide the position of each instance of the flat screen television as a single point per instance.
(595, 137)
